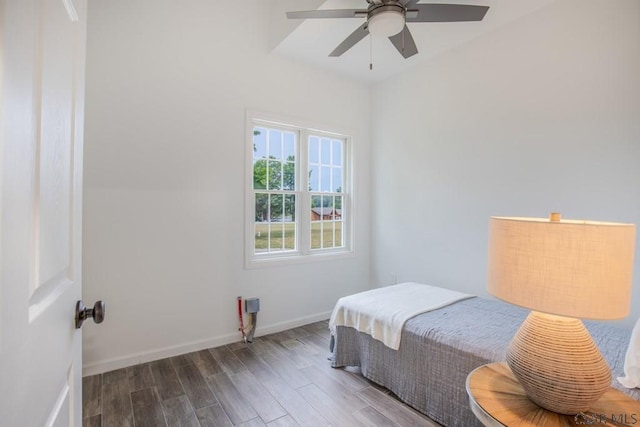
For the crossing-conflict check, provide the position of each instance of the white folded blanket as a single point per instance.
(382, 312)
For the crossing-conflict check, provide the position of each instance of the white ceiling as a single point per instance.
(312, 40)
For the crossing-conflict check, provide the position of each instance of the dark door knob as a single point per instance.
(83, 313)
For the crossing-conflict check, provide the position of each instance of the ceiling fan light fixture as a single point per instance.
(386, 23)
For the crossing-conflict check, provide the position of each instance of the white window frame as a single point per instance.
(303, 252)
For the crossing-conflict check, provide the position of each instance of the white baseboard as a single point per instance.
(107, 365)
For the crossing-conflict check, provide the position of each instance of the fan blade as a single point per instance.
(403, 41)
(360, 33)
(327, 13)
(408, 3)
(448, 13)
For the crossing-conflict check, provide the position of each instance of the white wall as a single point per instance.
(542, 115)
(168, 84)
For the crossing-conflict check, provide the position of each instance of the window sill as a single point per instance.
(297, 258)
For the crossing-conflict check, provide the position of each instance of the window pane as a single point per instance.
(289, 208)
(327, 234)
(325, 151)
(338, 205)
(314, 149)
(276, 207)
(259, 174)
(262, 207)
(316, 208)
(338, 242)
(325, 178)
(316, 201)
(336, 184)
(316, 235)
(289, 146)
(275, 237)
(290, 236)
(275, 175)
(275, 144)
(261, 237)
(275, 227)
(288, 176)
(259, 142)
(314, 178)
(337, 153)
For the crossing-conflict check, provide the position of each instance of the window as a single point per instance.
(298, 192)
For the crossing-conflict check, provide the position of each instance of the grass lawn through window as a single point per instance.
(287, 232)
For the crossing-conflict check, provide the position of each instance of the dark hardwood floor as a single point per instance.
(279, 380)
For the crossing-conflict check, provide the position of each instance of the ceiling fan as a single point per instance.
(388, 18)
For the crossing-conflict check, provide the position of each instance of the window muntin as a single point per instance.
(299, 192)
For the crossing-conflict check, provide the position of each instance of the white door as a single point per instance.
(42, 91)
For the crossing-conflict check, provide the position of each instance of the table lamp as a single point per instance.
(564, 271)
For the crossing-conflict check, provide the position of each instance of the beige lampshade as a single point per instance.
(579, 269)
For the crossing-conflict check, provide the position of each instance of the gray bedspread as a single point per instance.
(440, 348)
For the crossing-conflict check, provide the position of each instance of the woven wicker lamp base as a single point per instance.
(558, 363)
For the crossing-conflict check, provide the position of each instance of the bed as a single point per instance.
(441, 347)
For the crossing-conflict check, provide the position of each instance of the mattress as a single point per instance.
(441, 347)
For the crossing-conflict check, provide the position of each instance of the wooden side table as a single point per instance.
(498, 399)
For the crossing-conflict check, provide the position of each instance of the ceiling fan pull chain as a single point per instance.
(403, 42)
(370, 53)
